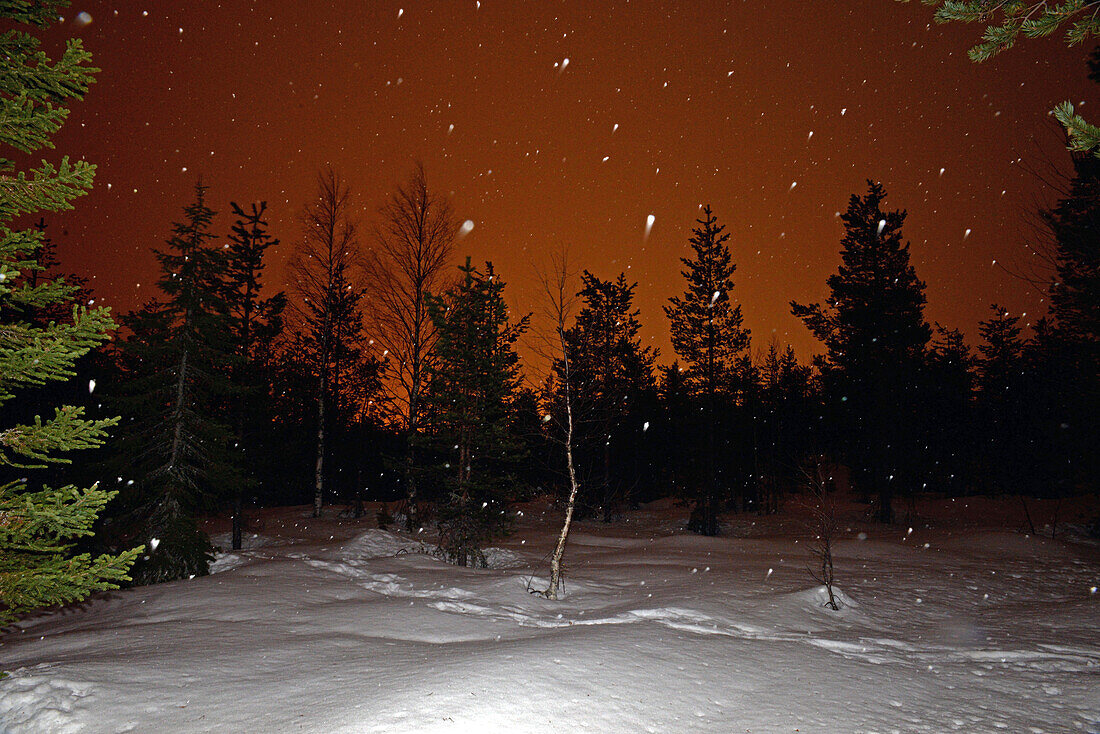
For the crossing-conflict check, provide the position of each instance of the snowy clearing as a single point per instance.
(335, 626)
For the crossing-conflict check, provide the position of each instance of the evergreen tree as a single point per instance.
(38, 527)
(707, 333)
(946, 413)
(671, 429)
(177, 445)
(44, 268)
(874, 333)
(254, 324)
(1075, 294)
(291, 439)
(784, 424)
(1068, 345)
(611, 374)
(1005, 410)
(352, 376)
(472, 388)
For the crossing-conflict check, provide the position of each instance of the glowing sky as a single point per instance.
(772, 112)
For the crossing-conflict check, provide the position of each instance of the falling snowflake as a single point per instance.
(466, 228)
(649, 224)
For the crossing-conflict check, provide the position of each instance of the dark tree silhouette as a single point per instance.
(177, 444)
(472, 385)
(254, 323)
(874, 333)
(708, 335)
(610, 374)
(413, 248)
(327, 301)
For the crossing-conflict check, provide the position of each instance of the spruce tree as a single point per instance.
(784, 423)
(38, 526)
(1074, 223)
(707, 333)
(254, 323)
(611, 373)
(472, 388)
(874, 333)
(177, 446)
(1068, 345)
(1005, 409)
(946, 413)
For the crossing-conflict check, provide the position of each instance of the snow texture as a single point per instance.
(328, 626)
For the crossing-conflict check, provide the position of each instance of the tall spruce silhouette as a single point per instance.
(708, 335)
(875, 334)
(178, 447)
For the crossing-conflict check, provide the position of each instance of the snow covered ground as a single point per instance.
(333, 626)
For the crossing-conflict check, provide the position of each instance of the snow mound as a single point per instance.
(227, 562)
(502, 558)
(818, 598)
(375, 543)
(34, 703)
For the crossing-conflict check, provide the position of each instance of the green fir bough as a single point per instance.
(39, 526)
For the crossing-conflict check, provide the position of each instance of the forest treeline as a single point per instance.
(388, 369)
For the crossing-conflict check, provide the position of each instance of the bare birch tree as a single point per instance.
(322, 267)
(559, 301)
(824, 526)
(413, 246)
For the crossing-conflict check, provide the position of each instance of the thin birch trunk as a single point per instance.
(555, 562)
(319, 469)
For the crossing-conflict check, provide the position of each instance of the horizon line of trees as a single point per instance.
(228, 394)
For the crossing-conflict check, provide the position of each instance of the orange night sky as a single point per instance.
(772, 112)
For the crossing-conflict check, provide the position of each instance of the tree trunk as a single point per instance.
(413, 423)
(238, 520)
(710, 501)
(319, 470)
(559, 551)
